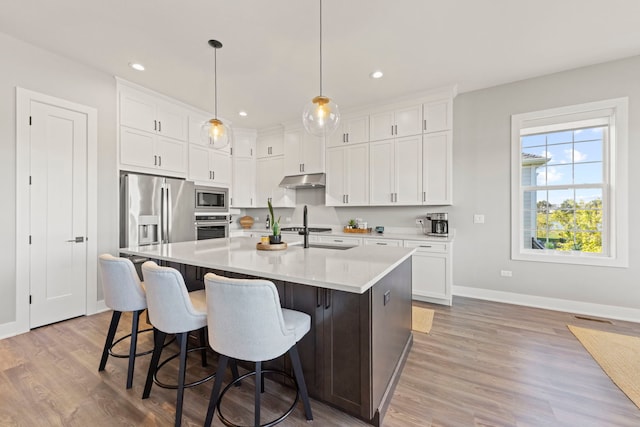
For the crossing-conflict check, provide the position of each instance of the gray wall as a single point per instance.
(35, 69)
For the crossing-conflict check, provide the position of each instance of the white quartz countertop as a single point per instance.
(353, 270)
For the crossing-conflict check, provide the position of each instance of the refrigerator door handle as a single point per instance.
(163, 215)
(169, 213)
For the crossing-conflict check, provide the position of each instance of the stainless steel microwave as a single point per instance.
(211, 199)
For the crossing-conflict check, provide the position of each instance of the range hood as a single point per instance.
(311, 180)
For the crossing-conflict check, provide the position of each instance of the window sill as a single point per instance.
(578, 258)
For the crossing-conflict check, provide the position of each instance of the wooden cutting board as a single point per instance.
(269, 247)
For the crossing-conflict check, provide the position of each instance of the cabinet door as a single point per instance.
(437, 165)
(244, 143)
(337, 138)
(172, 120)
(357, 175)
(199, 169)
(137, 110)
(281, 197)
(381, 126)
(172, 155)
(357, 129)
(408, 121)
(137, 148)
(381, 172)
(220, 163)
(335, 193)
(437, 116)
(312, 154)
(270, 145)
(244, 183)
(408, 170)
(293, 152)
(429, 272)
(263, 182)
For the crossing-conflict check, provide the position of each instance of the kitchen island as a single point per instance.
(359, 301)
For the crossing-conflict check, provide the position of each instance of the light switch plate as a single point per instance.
(478, 219)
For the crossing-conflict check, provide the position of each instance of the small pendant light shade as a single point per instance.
(214, 132)
(321, 116)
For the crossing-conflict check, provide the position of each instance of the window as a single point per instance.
(569, 184)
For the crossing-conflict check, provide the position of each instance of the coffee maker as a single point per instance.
(436, 224)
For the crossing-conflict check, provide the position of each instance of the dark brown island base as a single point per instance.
(353, 356)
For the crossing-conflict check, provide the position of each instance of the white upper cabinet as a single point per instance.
(395, 171)
(244, 143)
(146, 112)
(395, 124)
(437, 116)
(157, 154)
(348, 175)
(270, 143)
(209, 166)
(303, 153)
(437, 172)
(243, 188)
(352, 130)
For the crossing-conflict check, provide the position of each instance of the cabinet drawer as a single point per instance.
(427, 246)
(340, 240)
(382, 242)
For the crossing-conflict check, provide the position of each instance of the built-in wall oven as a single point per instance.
(211, 226)
(211, 199)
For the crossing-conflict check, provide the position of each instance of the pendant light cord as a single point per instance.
(320, 47)
(215, 82)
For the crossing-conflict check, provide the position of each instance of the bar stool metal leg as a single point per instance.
(259, 389)
(181, 375)
(155, 358)
(113, 327)
(302, 385)
(132, 347)
(217, 385)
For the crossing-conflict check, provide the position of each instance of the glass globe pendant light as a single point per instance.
(214, 132)
(321, 116)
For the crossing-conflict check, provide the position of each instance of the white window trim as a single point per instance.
(618, 225)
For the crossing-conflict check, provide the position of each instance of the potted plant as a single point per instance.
(353, 223)
(275, 238)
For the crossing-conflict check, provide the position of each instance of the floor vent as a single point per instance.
(594, 320)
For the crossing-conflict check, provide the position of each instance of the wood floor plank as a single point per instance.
(482, 364)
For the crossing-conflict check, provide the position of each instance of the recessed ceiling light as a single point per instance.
(376, 74)
(136, 66)
(243, 113)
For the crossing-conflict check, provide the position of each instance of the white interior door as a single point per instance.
(58, 214)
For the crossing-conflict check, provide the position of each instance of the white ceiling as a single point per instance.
(269, 63)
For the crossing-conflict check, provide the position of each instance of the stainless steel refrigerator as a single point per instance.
(155, 209)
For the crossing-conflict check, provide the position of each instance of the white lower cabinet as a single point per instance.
(431, 271)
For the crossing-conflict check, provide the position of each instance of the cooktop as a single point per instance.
(311, 229)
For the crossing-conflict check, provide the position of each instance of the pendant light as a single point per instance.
(321, 116)
(215, 132)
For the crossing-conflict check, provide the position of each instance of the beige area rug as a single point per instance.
(618, 355)
(422, 319)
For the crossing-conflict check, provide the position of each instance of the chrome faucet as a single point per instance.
(305, 224)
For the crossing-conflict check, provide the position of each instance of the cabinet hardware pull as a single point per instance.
(424, 196)
(424, 125)
(396, 128)
(327, 298)
(425, 246)
(391, 129)
(318, 297)
(343, 137)
(303, 167)
(159, 160)
(347, 199)
(338, 240)
(347, 137)
(381, 244)
(213, 174)
(155, 125)
(159, 126)
(155, 160)
(251, 152)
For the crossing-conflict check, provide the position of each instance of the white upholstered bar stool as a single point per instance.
(173, 310)
(246, 322)
(123, 292)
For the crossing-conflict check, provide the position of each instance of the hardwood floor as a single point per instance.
(482, 364)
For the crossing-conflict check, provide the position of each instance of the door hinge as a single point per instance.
(29, 299)
(29, 120)
(29, 238)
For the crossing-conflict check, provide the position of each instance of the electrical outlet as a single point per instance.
(506, 273)
(256, 218)
(288, 219)
(419, 221)
(478, 219)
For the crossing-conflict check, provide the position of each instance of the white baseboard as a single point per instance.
(591, 309)
(100, 307)
(10, 329)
